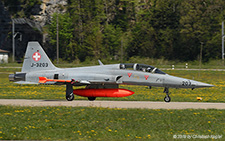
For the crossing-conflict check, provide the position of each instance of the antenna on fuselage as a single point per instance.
(100, 63)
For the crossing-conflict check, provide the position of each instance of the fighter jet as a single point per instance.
(100, 81)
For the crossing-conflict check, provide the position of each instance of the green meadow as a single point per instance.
(67, 123)
(10, 90)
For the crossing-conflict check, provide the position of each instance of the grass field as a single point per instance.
(216, 94)
(67, 123)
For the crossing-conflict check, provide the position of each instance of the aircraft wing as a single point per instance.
(44, 80)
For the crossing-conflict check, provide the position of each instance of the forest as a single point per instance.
(115, 29)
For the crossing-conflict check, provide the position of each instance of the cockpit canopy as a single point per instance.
(141, 67)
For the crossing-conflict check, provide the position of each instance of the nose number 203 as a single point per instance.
(186, 83)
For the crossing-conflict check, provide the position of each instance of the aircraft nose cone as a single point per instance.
(202, 85)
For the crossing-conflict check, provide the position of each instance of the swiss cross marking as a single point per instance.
(36, 56)
(146, 77)
(129, 74)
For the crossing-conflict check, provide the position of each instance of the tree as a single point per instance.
(156, 30)
(200, 24)
(111, 40)
(65, 27)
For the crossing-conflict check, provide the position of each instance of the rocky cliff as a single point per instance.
(40, 15)
(47, 9)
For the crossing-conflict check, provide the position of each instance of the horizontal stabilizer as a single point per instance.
(25, 82)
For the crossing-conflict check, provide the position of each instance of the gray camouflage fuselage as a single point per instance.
(112, 74)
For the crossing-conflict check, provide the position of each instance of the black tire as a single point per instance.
(167, 99)
(70, 97)
(91, 98)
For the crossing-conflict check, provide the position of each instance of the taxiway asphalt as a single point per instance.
(114, 104)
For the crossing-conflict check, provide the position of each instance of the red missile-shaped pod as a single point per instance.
(44, 80)
(103, 92)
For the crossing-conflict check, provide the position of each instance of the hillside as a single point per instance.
(173, 29)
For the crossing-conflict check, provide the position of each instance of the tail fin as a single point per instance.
(36, 59)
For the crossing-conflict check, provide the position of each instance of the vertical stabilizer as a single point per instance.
(36, 59)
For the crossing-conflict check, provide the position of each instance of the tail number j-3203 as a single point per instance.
(39, 65)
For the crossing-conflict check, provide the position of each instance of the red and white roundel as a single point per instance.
(36, 56)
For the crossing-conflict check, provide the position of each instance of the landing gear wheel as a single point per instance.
(91, 98)
(70, 97)
(167, 99)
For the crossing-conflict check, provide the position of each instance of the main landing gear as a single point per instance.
(70, 97)
(167, 97)
(91, 98)
(69, 92)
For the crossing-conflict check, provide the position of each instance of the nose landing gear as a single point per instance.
(167, 97)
